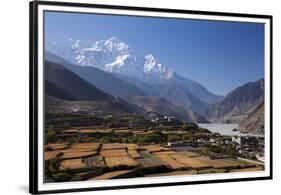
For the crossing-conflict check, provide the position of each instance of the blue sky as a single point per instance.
(219, 55)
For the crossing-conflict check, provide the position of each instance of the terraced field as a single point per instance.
(172, 163)
(120, 160)
(114, 153)
(114, 174)
(111, 146)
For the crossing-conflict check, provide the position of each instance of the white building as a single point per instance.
(236, 139)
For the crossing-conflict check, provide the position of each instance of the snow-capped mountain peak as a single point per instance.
(111, 55)
(76, 44)
(113, 44)
(150, 63)
(152, 67)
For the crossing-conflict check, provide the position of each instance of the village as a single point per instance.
(88, 147)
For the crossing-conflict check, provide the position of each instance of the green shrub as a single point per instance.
(173, 138)
(110, 140)
(204, 130)
(61, 176)
(190, 127)
(50, 135)
(230, 150)
(149, 138)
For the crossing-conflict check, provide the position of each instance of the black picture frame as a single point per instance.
(33, 95)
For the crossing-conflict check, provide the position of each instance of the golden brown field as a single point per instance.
(175, 165)
(114, 153)
(120, 160)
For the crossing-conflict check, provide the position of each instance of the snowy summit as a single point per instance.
(111, 55)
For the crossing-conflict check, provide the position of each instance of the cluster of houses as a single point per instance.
(199, 142)
(250, 147)
(164, 119)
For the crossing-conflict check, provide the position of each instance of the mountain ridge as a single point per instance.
(170, 92)
(238, 103)
(101, 79)
(72, 84)
(254, 122)
(157, 104)
(115, 56)
(67, 92)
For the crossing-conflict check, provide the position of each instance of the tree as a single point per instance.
(230, 150)
(190, 127)
(173, 138)
(193, 139)
(216, 149)
(187, 136)
(204, 130)
(149, 138)
(50, 135)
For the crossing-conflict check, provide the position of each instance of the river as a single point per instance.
(223, 129)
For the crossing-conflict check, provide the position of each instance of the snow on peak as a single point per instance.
(151, 66)
(149, 57)
(76, 44)
(111, 55)
(114, 40)
(150, 63)
(119, 62)
(112, 44)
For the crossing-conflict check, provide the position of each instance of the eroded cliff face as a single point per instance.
(237, 104)
(254, 123)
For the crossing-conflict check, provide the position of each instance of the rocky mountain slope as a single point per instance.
(101, 79)
(119, 106)
(237, 104)
(254, 122)
(53, 90)
(159, 106)
(67, 92)
(72, 84)
(173, 93)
